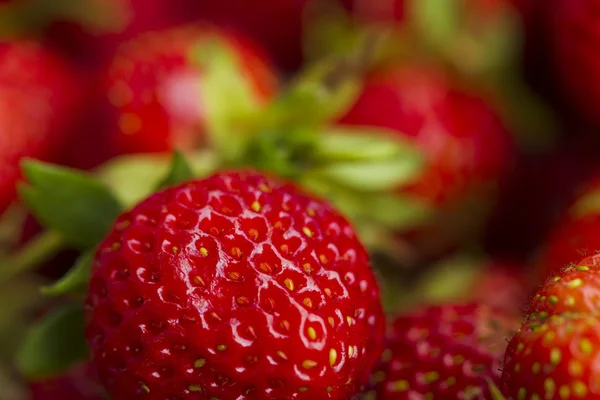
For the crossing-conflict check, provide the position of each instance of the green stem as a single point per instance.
(31, 255)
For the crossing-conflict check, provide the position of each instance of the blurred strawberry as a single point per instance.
(93, 46)
(77, 384)
(575, 236)
(574, 35)
(467, 149)
(157, 87)
(524, 217)
(503, 285)
(37, 93)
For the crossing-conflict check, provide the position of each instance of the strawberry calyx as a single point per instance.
(78, 209)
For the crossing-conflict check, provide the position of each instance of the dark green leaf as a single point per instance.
(496, 393)
(69, 202)
(55, 344)
(76, 280)
(180, 171)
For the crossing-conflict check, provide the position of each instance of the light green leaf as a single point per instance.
(588, 204)
(398, 212)
(495, 392)
(55, 344)
(436, 22)
(231, 103)
(375, 175)
(134, 177)
(180, 171)
(70, 202)
(349, 143)
(76, 280)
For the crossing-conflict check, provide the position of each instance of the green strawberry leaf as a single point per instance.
(55, 344)
(70, 202)
(329, 29)
(348, 143)
(231, 103)
(494, 391)
(372, 176)
(180, 171)
(134, 177)
(589, 204)
(76, 280)
(436, 22)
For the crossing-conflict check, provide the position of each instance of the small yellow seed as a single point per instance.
(332, 357)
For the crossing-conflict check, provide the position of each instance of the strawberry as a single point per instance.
(503, 285)
(235, 286)
(154, 86)
(553, 359)
(36, 99)
(277, 25)
(77, 384)
(574, 31)
(466, 146)
(444, 352)
(575, 290)
(575, 234)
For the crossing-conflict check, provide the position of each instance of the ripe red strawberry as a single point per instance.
(503, 285)
(574, 33)
(36, 108)
(576, 289)
(575, 236)
(555, 359)
(78, 384)
(154, 87)
(443, 352)
(467, 148)
(233, 287)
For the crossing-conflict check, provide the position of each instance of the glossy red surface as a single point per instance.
(238, 287)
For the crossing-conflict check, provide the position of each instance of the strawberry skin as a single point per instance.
(554, 359)
(574, 34)
(575, 290)
(466, 146)
(154, 87)
(237, 286)
(442, 352)
(36, 99)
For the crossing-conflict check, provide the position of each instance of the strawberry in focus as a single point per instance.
(575, 290)
(445, 352)
(552, 359)
(467, 148)
(235, 286)
(37, 94)
(154, 87)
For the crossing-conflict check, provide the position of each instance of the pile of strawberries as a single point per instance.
(299, 199)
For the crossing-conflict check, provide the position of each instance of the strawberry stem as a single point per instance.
(38, 250)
